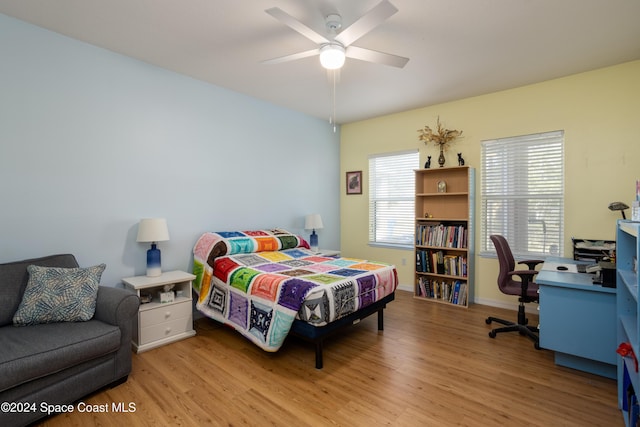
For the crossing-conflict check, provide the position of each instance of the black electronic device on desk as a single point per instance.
(605, 274)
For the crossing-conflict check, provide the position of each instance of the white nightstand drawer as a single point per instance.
(165, 330)
(162, 323)
(164, 313)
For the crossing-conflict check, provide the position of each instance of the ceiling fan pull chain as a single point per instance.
(333, 96)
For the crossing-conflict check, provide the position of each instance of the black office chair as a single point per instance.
(525, 288)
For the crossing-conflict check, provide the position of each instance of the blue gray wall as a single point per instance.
(92, 141)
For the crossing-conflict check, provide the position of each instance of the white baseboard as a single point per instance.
(407, 288)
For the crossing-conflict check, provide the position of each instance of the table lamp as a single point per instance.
(313, 222)
(153, 230)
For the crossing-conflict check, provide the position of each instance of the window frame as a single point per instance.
(407, 219)
(535, 165)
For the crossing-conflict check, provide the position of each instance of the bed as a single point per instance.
(268, 284)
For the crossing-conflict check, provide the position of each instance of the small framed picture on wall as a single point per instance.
(354, 182)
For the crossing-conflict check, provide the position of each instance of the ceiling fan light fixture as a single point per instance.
(332, 56)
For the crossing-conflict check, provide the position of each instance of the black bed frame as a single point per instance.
(316, 335)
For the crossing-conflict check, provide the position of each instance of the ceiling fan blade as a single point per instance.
(366, 23)
(292, 57)
(298, 26)
(375, 56)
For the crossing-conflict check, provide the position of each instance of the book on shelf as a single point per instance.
(446, 292)
(454, 292)
(446, 236)
(439, 262)
(462, 298)
(423, 262)
(422, 289)
(455, 265)
(449, 265)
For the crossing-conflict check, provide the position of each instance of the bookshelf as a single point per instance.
(444, 235)
(628, 323)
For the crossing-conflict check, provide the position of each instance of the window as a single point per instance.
(522, 187)
(392, 198)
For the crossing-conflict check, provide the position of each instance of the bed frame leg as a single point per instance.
(381, 319)
(319, 354)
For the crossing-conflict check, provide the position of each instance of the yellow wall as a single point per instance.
(599, 112)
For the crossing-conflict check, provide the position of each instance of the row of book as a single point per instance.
(454, 292)
(446, 236)
(432, 261)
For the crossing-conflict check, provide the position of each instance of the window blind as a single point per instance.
(392, 198)
(522, 193)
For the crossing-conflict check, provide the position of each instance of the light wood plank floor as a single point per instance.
(432, 366)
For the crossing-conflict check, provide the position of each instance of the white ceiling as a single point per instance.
(457, 48)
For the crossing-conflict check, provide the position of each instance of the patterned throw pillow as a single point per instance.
(55, 294)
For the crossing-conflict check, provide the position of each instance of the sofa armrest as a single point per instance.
(116, 305)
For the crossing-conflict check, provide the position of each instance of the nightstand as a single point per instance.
(160, 323)
(328, 252)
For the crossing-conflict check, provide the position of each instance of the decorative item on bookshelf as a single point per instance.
(427, 165)
(441, 137)
(441, 159)
(442, 187)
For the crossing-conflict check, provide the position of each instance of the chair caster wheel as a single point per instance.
(487, 321)
(492, 334)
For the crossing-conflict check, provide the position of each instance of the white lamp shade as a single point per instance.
(153, 230)
(313, 222)
(332, 56)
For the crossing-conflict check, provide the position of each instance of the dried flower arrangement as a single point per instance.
(441, 137)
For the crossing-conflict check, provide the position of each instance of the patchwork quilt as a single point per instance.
(259, 282)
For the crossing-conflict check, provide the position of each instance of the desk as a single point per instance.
(577, 320)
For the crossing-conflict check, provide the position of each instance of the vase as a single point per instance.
(441, 158)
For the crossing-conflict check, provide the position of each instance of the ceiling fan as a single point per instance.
(333, 49)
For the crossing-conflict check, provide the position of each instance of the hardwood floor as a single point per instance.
(433, 365)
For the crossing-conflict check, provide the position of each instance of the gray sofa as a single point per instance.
(59, 363)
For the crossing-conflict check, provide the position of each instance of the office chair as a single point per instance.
(525, 288)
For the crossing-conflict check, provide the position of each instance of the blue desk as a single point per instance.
(577, 320)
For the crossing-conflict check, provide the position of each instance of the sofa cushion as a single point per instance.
(14, 277)
(56, 294)
(33, 352)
